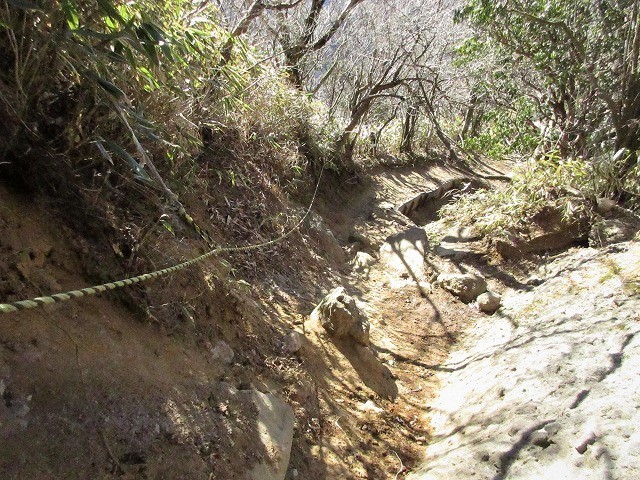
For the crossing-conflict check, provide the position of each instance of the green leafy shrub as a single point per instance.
(105, 79)
(537, 184)
(505, 133)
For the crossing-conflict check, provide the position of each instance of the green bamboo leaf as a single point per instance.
(85, 32)
(140, 120)
(150, 134)
(160, 39)
(146, 44)
(155, 32)
(151, 53)
(139, 172)
(130, 56)
(108, 8)
(71, 12)
(116, 57)
(111, 88)
(150, 77)
(168, 227)
(103, 151)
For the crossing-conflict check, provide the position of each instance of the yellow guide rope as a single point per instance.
(62, 297)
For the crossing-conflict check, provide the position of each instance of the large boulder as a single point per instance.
(403, 254)
(339, 316)
(614, 224)
(322, 235)
(258, 422)
(275, 429)
(607, 231)
(465, 286)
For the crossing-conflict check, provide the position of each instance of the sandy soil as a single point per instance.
(548, 387)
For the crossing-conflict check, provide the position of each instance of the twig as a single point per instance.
(401, 464)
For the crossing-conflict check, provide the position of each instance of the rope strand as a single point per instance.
(88, 291)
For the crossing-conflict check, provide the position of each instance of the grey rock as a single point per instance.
(275, 428)
(222, 353)
(607, 231)
(362, 262)
(489, 302)
(540, 438)
(292, 342)
(588, 439)
(271, 426)
(534, 281)
(340, 317)
(359, 236)
(370, 406)
(465, 286)
(547, 231)
(461, 234)
(458, 242)
(605, 205)
(552, 428)
(324, 238)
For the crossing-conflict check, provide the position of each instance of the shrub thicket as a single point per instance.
(125, 86)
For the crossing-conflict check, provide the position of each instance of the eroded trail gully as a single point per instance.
(544, 388)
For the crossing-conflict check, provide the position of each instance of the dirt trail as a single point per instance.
(94, 389)
(546, 388)
(380, 421)
(142, 398)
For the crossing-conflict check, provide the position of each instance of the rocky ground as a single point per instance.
(548, 386)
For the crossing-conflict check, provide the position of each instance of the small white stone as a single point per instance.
(370, 406)
(489, 302)
(223, 353)
(362, 262)
(466, 286)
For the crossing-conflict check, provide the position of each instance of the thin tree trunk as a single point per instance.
(408, 131)
(469, 117)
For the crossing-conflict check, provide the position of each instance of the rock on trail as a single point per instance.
(340, 317)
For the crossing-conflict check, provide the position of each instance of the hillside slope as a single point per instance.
(172, 379)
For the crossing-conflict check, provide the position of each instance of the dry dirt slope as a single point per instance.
(94, 389)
